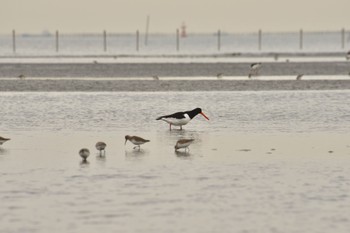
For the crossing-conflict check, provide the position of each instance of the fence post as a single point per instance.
(105, 41)
(219, 40)
(342, 38)
(57, 40)
(14, 41)
(260, 38)
(137, 40)
(301, 38)
(177, 40)
(147, 29)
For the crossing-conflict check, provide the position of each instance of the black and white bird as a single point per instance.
(84, 153)
(138, 141)
(101, 146)
(181, 118)
(254, 69)
(183, 143)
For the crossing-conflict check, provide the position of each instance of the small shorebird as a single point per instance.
(183, 143)
(138, 141)
(101, 147)
(84, 153)
(181, 118)
(254, 69)
(220, 75)
(299, 76)
(3, 140)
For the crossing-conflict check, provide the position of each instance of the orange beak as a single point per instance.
(204, 116)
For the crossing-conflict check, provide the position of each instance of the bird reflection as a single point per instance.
(183, 154)
(101, 158)
(84, 163)
(135, 153)
(3, 151)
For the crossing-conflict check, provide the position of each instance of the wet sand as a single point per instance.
(283, 177)
(171, 69)
(171, 85)
(144, 70)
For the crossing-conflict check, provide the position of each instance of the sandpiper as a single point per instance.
(84, 153)
(299, 76)
(181, 118)
(183, 143)
(3, 140)
(138, 141)
(101, 147)
(220, 75)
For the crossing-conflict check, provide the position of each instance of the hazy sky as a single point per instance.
(34, 16)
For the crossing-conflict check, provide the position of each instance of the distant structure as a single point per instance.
(183, 30)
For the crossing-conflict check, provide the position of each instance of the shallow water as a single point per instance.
(239, 112)
(265, 162)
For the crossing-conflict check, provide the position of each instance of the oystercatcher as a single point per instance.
(182, 118)
(183, 143)
(101, 147)
(138, 141)
(3, 140)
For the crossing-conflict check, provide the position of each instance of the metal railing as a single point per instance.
(163, 43)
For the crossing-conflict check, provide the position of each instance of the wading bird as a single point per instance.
(181, 118)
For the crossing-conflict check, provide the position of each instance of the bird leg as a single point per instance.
(170, 127)
(180, 127)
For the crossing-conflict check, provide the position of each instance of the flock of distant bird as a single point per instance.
(255, 67)
(254, 71)
(176, 119)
